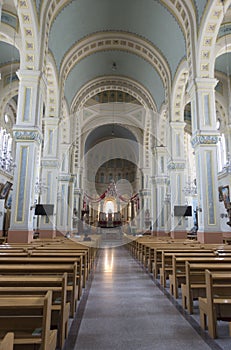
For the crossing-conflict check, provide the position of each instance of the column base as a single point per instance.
(226, 237)
(60, 234)
(162, 234)
(19, 236)
(47, 234)
(179, 234)
(210, 237)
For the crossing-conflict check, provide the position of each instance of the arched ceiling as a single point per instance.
(128, 65)
(81, 19)
(8, 54)
(101, 133)
(153, 22)
(223, 63)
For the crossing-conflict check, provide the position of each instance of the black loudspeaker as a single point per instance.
(44, 209)
(182, 210)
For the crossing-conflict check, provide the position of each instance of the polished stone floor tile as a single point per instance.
(125, 309)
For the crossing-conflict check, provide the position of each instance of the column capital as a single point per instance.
(29, 135)
(66, 178)
(205, 83)
(50, 163)
(201, 139)
(28, 74)
(177, 124)
(160, 180)
(176, 165)
(201, 84)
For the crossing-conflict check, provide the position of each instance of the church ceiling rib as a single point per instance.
(207, 37)
(113, 83)
(116, 41)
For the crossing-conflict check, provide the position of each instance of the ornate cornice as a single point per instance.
(204, 140)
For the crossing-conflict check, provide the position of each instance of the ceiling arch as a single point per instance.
(104, 132)
(130, 16)
(129, 65)
(113, 83)
(122, 41)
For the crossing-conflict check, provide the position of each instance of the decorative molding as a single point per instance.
(160, 181)
(50, 163)
(144, 193)
(66, 178)
(23, 135)
(113, 83)
(204, 140)
(176, 166)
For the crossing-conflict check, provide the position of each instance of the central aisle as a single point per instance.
(126, 310)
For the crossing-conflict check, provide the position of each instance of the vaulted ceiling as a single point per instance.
(150, 56)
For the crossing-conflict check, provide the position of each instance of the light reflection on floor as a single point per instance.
(109, 260)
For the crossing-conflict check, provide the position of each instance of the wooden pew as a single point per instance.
(178, 275)
(195, 285)
(186, 246)
(67, 254)
(156, 253)
(217, 303)
(167, 259)
(7, 343)
(49, 260)
(48, 269)
(30, 320)
(32, 285)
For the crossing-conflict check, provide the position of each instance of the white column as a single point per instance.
(176, 167)
(204, 141)
(159, 190)
(27, 135)
(64, 204)
(49, 175)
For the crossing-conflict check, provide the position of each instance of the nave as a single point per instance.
(123, 308)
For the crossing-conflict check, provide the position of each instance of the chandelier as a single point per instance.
(6, 161)
(39, 187)
(190, 189)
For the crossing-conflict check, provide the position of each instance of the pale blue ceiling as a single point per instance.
(147, 18)
(8, 53)
(223, 63)
(200, 6)
(128, 65)
(103, 131)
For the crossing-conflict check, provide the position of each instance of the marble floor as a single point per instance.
(123, 308)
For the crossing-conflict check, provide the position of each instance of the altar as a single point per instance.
(109, 220)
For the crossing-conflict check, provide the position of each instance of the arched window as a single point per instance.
(110, 177)
(102, 177)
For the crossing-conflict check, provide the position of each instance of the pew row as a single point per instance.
(38, 285)
(217, 303)
(178, 275)
(51, 270)
(7, 342)
(29, 317)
